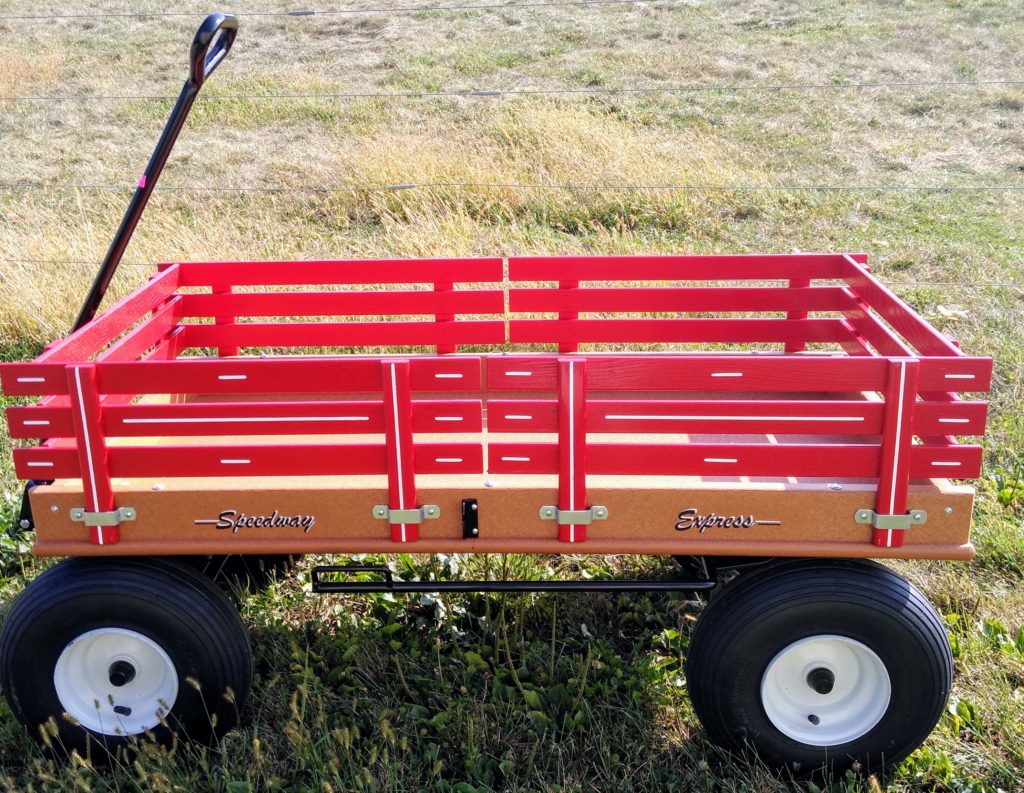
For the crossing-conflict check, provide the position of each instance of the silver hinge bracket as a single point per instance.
(114, 518)
(574, 517)
(409, 516)
(912, 518)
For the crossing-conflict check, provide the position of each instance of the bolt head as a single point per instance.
(24, 523)
(948, 510)
(835, 486)
(54, 508)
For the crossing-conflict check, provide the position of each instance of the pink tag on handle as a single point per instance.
(142, 180)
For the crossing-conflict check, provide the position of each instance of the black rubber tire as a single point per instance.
(184, 613)
(761, 613)
(246, 572)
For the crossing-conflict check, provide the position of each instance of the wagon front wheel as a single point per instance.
(98, 653)
(815, 663)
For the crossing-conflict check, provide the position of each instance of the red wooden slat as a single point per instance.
(39, 422)
(954, 418)
(533, 331)
(522, 458)
(336, 334)
(522, 415)
(742, 416)
(46, 462)
(758, 267)
(883, 339)
(955, 374)
(449, 458)
(368, 271)
(451, 415)
(289, 376)
(897, 436)
(902, 317)
(695, 459)
(233, 460)
(285, 304)
(268, 460)
(399, 444)
(86, 414)
(956, 462)
(734, 459)
(694, 373)
(33, 379)
(572, 443)
(446, 374)
(146, 335)
(244, 418)
(690, 299)
(85, 342)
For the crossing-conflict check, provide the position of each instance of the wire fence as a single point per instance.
(568, 186)
(483, 93)
(315, 12)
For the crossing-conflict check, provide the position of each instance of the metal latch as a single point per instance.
(114, 518)
(412, 516)
(574, 517)
(470, 519)
(915, 516)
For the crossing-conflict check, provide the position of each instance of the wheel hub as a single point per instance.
(115, 681)
(825, 690)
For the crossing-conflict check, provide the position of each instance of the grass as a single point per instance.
(537, 692)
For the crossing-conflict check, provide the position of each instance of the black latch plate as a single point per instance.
(470, 519)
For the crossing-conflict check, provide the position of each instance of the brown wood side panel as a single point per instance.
(776, 519)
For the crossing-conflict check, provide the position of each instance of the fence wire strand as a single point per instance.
(315, 12)
(484, 93)
(17, 187)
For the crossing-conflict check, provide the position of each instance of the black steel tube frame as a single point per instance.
(389, 584)
(211, 43)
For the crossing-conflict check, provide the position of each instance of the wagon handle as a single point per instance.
(209, 47)
(212, 42)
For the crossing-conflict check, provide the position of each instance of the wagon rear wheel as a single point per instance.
(817, 663)
(98, 653)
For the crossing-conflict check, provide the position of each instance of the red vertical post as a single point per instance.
(897, 437)
(224, 319)
(92, 449)
(568, 346)
(441, 317)
(398, 441)
(797, 283)
(572, 444)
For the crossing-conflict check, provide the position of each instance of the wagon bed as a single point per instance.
(783, 405)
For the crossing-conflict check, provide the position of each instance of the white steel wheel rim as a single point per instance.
(115, 681)
(825, 690)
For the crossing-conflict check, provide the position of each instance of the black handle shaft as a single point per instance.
(211, 43)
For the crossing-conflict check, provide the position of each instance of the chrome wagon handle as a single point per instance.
(211, 44)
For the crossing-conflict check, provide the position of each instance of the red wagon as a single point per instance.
(783, 415)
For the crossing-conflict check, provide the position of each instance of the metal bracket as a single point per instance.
(411, 516)
(869, 516)
(470, 519)
(114, 518)
(574, 517)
